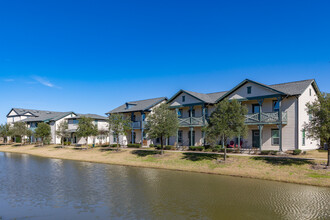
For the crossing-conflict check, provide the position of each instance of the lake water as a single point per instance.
(41, 188)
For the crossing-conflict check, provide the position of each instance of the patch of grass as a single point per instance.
(282, 161)
(318, 175)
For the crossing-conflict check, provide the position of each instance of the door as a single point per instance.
(193, 138)
(255, 139)
(255, 108)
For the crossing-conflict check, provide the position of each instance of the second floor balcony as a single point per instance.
(192, 121)
(266, 118)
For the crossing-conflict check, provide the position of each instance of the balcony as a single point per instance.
(136, 125)
(265, 118)
(192, 122)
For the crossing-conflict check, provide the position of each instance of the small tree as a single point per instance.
(226, 121)
(62, 131)
(319, 125)
(43, 131)
(19, 129)
(162, 123)
(5, 132)
(86, 128)
(119, 125)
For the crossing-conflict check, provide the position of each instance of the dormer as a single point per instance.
(130, 105)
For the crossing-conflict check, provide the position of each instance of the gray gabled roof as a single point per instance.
(293, 88)
(93, 116)
(141, 105)
(41, 115)
(203, 97)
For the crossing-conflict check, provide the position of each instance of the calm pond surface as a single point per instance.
(41, 188)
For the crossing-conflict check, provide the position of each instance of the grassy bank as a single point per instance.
(278, 169)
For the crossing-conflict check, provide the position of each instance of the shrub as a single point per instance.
(196, 148)
(296, 152)
(133, 145)
(151, 145)
(169, 147)
(268, 152)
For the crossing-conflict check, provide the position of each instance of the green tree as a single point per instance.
(62, 132)
(19, 129)
(118, 125)
(226, 121)
(319, 124)
(29, 133)
(5, 132)
(86, 128)
(43, 131)
(162, 123)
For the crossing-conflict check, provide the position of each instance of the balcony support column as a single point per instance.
(132, 131)
(260, 101)
(142, 127)
(191, 136)
(260, 136)
(190, 114)
(177, 130)
(279, 99)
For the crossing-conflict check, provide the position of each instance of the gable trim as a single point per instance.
(243, 83)
(183, 91)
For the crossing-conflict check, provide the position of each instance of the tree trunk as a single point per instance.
(87, 142)
(21, 140)
(117, 144)
(328, 163)
(161, 146)
(109, 139)
(224, 147)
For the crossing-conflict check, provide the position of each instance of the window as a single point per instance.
(310, 116)
(180, 136)
(303, 137)
(255, 108)
(183, 98)
(310, 92)
(192, 113)
(75, 121)
(144, 136)
(114, 137)
(157, 140)
(133, 117)
(276, 106)
(206, 113)
(249, 89)
(180, 113)
(275, 137)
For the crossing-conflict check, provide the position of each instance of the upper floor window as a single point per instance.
(133, 117)
(249, 89)
(206, 112)
(192, 113)
(310, 92)
(75, 121)
(276, 106)
(183, 98)
(255, 108)
(180, 113)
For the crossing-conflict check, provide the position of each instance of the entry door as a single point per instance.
(255, 138)
(193, 136)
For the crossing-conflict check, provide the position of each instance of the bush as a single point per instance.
(133, 145)
(151, 145)
(268, 152)
(296, 152)
(169, 147)
(196, 148)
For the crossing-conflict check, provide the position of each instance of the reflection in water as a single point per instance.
(41, 188)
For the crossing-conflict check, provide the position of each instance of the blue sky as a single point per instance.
(91, 56)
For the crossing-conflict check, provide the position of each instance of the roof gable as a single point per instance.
(257, 89)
